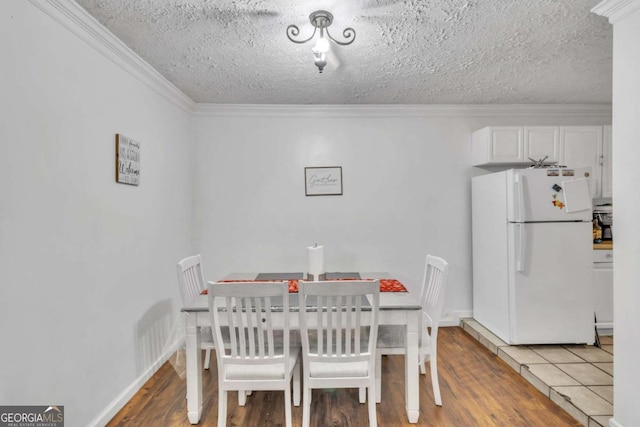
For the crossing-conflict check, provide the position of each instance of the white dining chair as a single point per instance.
(391, 338)
(339, 341)
(255, 355)
(192, 284)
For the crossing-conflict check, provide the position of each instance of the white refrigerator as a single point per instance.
(532, 255)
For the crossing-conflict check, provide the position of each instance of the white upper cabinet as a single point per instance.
(571, 146)
(514, 145)
(497, 145)
(581, 146)
(541, 141)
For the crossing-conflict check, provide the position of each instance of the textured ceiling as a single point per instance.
(405, 52)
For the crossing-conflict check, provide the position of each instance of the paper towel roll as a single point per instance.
(315, 256)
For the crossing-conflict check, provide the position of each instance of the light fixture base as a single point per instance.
(321, 19)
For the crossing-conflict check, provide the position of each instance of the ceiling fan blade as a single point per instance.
(377, 4)
(233, 9)
(263, 13)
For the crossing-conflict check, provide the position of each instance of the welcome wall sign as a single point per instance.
(127, 160)
(323, 181)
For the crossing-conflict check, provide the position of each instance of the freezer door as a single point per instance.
(550, 283)
(548, 195)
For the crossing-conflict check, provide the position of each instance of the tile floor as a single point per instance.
(579, 378)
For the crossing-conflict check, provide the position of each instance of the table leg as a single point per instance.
(194, 369)
(411, 374)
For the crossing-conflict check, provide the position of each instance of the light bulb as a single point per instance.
(321, 60)
(322, 45)
(320, 65)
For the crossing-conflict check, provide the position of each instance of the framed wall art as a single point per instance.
(127, 160)
(323, 181)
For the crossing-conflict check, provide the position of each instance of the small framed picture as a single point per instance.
(323, 181)
(127, 160)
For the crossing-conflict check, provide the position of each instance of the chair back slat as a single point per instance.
(348, 326)
(232, 329)
(339, 315)
(329, 327)
(358, 325)
(319, 322)
(248, 326)
(238, 327)
(260, 328)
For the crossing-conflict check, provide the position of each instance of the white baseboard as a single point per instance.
(452, 318)
(123, 398)
(603, 332)
(614, 423)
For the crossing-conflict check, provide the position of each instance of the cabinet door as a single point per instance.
(603, 291)
(506, 145)
(581, 146)
(607, 175)
(541, 141)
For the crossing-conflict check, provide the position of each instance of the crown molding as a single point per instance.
(77, 20)
(616, 10)
(480, 110)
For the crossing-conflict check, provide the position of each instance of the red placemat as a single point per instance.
(386, 285)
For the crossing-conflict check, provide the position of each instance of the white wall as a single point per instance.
(87, 267)
(406, 188)
(625, 15)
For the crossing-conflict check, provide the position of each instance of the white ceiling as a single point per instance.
(405, 52)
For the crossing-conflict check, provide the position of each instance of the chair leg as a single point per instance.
(296, 383)
(207, 358)
(287, 406)
(423, 369)
(433, 362)
(378, 377)
(373, 420)
(222, 408)
(306, 406)
(362, 395)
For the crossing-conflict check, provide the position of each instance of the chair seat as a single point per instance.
(338, 370)
(261, 372)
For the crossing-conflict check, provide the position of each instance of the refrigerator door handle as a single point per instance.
(521, 235)
(519, 184)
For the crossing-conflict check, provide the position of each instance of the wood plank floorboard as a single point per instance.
(478, 389)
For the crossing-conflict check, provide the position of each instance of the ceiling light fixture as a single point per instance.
(321, 19)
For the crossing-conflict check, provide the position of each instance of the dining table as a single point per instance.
(398, 307)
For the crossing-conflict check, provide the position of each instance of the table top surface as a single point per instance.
(388, 300)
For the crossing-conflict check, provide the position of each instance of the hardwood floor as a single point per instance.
(478, 389)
